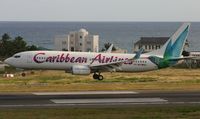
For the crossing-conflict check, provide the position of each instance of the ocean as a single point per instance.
(121, 34)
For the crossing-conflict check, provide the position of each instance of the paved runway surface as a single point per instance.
(98, 98)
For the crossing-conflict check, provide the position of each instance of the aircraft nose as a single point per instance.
(8, 61)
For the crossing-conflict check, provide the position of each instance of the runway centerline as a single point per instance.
(85, 93)
(108, 100)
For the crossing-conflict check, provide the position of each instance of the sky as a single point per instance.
(99, 10)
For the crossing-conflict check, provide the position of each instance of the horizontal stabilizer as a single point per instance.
(181, 58)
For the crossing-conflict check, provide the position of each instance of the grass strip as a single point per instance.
(136, 112)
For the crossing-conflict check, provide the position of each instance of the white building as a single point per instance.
(77, 41)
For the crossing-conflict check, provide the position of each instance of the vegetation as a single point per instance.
(134, 112)
(162, 80)
(9, 46)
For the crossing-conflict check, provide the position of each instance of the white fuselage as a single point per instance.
(62, 60)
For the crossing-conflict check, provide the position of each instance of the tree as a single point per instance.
(9, 47)
(5, 37)
(32, 48)
(19, 45)
(5, 43)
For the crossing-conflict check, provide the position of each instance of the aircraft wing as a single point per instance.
(115, 65)
(112, 63)
(108, 66)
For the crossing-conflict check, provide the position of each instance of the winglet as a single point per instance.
(109, 49)
(138, 54)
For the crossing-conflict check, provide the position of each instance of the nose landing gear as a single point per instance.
(97, 76)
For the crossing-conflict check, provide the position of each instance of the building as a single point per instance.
(80, 41)
(61, 42)
(194, 62)
(119, 50)
(152, 43)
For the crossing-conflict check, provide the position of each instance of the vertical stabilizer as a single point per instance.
(174, 46)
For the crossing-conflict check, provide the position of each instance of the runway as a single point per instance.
(97, 98)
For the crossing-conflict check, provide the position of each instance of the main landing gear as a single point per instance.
(98, 76)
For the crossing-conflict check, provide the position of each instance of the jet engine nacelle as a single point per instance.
(81, 70)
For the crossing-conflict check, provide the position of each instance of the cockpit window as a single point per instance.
(17, 56)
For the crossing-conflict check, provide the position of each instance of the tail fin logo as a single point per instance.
(175, 49)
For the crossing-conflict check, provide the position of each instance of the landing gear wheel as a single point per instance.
(100, 77)
(23, 74)
(95, 76)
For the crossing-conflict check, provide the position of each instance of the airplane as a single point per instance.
(85, 63)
